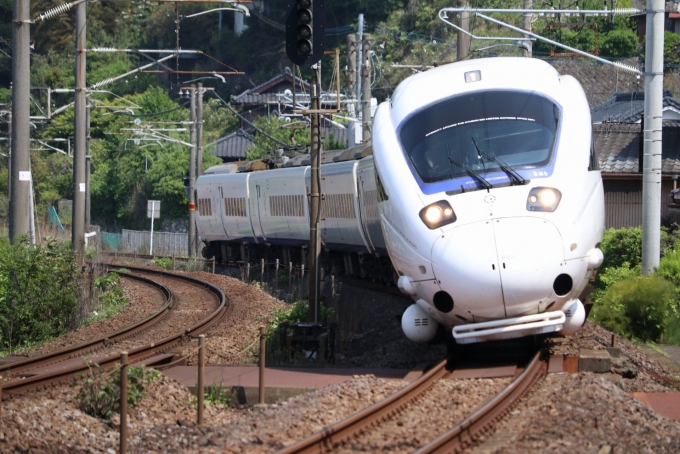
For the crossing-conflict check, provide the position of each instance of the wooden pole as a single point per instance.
(263, 339)
(123, 401)
(201, 371)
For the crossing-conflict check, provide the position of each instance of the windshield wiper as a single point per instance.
(515, 177)
(469, 170)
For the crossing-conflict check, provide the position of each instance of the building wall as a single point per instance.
(623, 203)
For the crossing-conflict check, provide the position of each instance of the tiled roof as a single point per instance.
(257, 95)
(618, 146)
(628, 107)
(598, 80)
(234, 145)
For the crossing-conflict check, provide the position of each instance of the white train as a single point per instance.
(482, 186)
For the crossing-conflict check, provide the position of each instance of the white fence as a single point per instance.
(164, 243)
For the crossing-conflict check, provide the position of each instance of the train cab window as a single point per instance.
(476, 131)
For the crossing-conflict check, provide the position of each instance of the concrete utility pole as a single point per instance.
(314, 196)
(360, 34)
(88, 109)
(651, 176)
(20, 157)
(199, 128)
(462, 39)
(366, 77)
(351, 87)
(192, 174)
(78, 213)
(526, 24)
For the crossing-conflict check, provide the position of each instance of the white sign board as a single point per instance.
(153, 206)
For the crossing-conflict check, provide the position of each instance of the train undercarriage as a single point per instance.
(374, 268)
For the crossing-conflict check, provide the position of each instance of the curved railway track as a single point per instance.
(28, 381)
(461, 435)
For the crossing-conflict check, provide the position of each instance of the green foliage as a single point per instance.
(610, 276)
(637, 307)
(99, 393)
(265, 147)
(671, 56)
(298, 312)
(110, 300)
(217, 394)
(163, 262)
(619, 43)
(38, 291)
(672, 332)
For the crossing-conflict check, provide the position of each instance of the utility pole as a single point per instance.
(88, 108)
(526, 24)
(360, 61)
(78, 214)
(651, 176)
(20, 157)
(199, 128)
(192, 173)
(314, 196)
(351, 86)
(366, 76)
(462, 39)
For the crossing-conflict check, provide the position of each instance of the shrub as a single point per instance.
(218, 395)
(637, 307)
(38, 291)
(163, 262)
(298, 312)
(99, 393)
(111, 300)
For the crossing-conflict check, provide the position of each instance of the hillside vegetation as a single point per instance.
(126, 172)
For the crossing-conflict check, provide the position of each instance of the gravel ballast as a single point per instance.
(565, 413)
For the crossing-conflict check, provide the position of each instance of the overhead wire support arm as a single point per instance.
(444, 18)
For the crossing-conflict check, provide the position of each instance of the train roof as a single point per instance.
(328, 157)
(518, 73)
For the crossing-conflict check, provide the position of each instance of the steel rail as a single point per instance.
(330, 437)
(104, 341)
(466, 431)
(135, 355)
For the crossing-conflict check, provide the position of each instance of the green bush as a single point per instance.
(217, 394)
(298, 312)
(637, 307)
(38, 291)
(163, 262)
(111, 298)
(99, 393)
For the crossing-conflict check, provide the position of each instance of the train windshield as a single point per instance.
(479, 133)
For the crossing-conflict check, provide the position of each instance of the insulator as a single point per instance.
(104, 49)
(626, 11)
(627, 67)
(103, 82)
(55, 11)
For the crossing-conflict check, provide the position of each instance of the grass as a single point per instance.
(672, 332)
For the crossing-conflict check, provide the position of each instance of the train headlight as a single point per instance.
(543, 199)
(437, 214)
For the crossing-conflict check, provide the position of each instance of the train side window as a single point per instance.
(593, 163)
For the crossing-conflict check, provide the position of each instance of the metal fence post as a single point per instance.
(201, 371)
(123, 401)
(213, 265)
(290, 277)
(276, 278)
(262, 273)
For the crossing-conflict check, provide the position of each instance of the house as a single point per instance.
(617, 134)
(233, 147)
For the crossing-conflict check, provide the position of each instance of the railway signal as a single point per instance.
(304, 31)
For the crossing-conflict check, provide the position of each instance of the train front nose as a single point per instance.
(500, 267)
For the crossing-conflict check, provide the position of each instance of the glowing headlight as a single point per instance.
(543, 199)
(437, 214)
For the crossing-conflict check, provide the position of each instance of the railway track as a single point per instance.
(461, 435)
(65, 364)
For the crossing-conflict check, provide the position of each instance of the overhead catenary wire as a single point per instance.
(235, 112)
